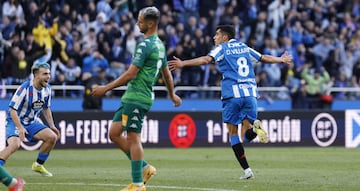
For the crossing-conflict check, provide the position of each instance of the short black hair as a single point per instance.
(228, 30)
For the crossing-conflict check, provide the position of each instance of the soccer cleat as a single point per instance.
(148, 173)
(260, 132)
(133, 187)
(41, 169)
(19, 186)
(247, 175)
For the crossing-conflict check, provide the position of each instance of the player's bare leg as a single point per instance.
(239, 152)
(116, 136)
(13, 145)
(49, 140)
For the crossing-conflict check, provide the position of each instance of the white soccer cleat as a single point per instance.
(263, 137)
(248, 174)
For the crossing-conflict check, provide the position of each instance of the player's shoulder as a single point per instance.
(25, 85)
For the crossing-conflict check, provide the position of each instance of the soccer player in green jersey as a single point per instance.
(149, 60)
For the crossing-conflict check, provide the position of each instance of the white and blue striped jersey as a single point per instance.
(29, 102)
(234, 60)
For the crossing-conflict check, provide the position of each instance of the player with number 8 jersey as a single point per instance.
(238, 88)
(238, 72)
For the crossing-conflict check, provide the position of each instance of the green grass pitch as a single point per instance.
(196, 169)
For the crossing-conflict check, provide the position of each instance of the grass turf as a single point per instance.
(202, 169)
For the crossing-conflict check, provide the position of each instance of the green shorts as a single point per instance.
(131, 116)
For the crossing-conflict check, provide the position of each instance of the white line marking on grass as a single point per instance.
(119, 185)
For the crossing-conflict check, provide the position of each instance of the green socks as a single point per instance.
(144, 162)
(5, 177)
(136, 171)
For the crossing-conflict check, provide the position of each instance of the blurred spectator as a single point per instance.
(191, 8)
(43, 36)
(32, 16)
(191, 25)
(314, 87)
(92, 65)
(20, 68)
(91, 10)
(212, 77)
(84, 25)
(68, 74)
(355, 80)
(258, 29)
(121, 7)
(13, 10)
(276, 16)
(7, 28)
(118, 59)
(99, 22)
(341, 81)
(273, 70)
(321, 51)
(59, 47)
(89, 42)
(91, 102)
(104, 6)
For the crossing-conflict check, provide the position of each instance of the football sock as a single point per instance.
(42, 157)
(2, 162)
(136, 171)
(239, 151)
(144, 164)
(249, 135)
(6, 178)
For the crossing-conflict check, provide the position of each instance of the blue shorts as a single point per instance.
(32, 129)
(235, 110)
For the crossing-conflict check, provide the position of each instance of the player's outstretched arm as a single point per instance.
(169, 82)
(177, 63)
(285, 58)
(121, 80)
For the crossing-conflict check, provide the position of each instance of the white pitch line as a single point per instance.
(119, 185)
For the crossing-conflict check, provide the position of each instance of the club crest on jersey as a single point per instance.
(38, 104)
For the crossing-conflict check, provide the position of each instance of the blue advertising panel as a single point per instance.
(201, 129)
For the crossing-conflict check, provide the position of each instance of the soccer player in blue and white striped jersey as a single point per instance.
(238, 88)
(32, 98)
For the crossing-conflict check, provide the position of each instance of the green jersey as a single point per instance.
(150, 57)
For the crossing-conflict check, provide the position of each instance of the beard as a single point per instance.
(144, 30)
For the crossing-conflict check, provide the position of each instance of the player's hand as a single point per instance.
(176, 100)
(22, 132)
(99, 91)
(286, 58)
(175, 64)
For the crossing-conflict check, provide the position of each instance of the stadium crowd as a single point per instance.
(87, 37)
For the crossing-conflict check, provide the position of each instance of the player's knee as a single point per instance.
(14, 144)
(51, 138)
(113, 136)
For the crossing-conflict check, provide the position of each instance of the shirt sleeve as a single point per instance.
(255, 54)
(217, 53)
(18, 98)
